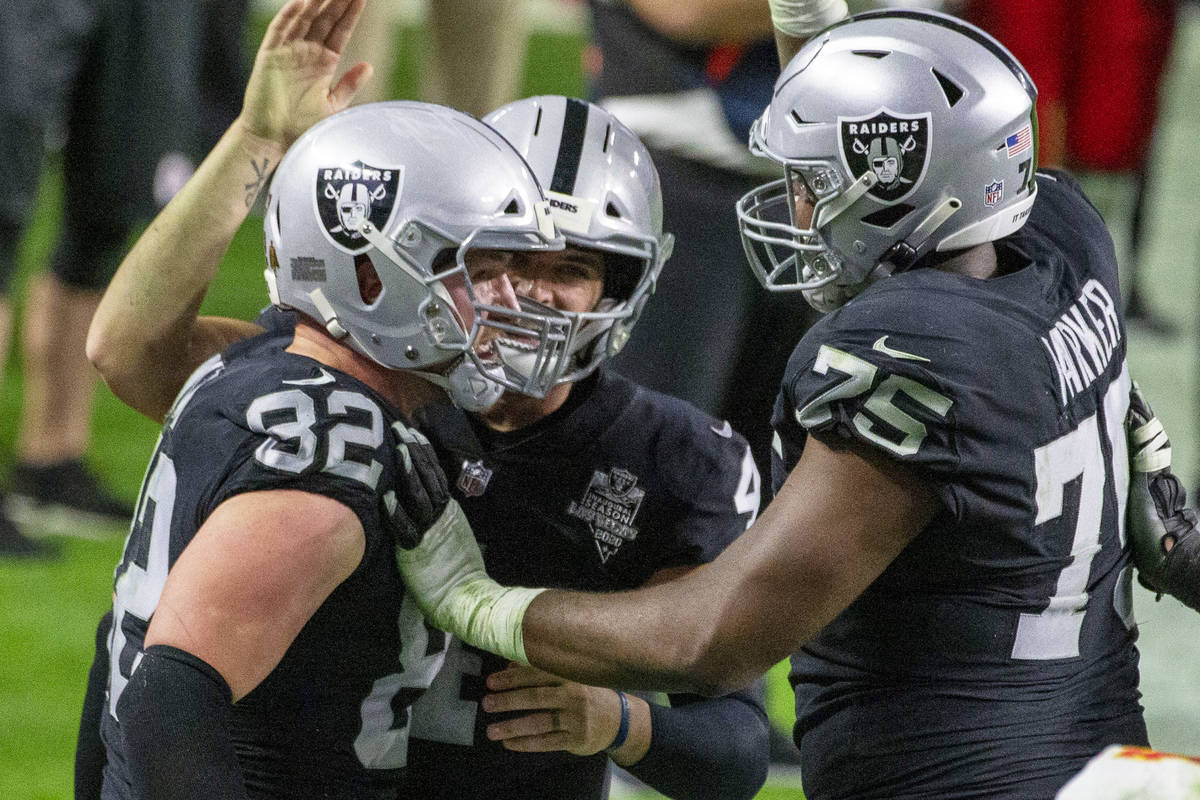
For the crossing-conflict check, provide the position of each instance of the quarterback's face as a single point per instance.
(568, 280)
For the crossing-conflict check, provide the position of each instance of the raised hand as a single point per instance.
(291, 86)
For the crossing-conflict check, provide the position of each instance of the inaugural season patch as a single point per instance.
(609, 507)
(893, 146)
(350, 193)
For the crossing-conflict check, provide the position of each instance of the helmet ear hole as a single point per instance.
(369, 284)
(513, 207)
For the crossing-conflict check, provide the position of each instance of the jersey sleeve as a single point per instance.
(715, 484)
(330, 440)
(871, 389)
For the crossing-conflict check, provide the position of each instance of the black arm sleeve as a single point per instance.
(175, 717)
(89, 748)
(708, 747)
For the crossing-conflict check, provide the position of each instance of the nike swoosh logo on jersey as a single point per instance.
(320, 380)
(883, 348)
(724, 431)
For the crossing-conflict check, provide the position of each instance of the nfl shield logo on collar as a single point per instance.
(473, 478)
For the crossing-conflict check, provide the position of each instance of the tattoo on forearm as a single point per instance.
(254, 186)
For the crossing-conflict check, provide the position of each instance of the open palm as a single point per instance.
(291, 86)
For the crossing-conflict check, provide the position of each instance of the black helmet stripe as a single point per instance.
(570, 147)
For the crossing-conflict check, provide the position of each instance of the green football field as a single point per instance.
(48, 611)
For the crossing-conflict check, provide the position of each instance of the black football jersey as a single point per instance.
(616, 485)
(996, 654)
(331, 720)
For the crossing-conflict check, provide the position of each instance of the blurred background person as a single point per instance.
(473, 56)
(110, 84)
(688, 79)
(1098, 67)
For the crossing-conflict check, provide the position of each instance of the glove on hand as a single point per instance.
(421, 492)
(1166, 543)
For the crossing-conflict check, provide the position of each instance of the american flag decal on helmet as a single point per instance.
(1019, 142)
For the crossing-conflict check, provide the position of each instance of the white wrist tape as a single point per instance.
(803, 18)
(446, 576)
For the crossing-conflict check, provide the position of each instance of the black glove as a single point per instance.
(421, 492)
(1162, 530)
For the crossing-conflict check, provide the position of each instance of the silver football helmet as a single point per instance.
(604, 194)
(904, 132)
(399, 186)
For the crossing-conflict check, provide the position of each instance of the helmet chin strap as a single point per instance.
(470, 388)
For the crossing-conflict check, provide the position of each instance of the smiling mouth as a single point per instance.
(525, 344)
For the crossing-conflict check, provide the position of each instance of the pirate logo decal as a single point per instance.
(348, 195)
(893, 146)
(609, 507)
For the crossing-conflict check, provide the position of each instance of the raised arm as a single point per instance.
(796, 21)
(145, 338)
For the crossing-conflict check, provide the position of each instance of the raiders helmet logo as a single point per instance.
(893, 146)
(349, 194)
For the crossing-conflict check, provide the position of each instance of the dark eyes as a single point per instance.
(580, 270)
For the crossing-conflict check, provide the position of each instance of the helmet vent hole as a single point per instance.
(888, 217)
(799, 119)
(951, 89)
(607, 138)
(872, 53)
(513, 207)
(537, 123)
(612, 211)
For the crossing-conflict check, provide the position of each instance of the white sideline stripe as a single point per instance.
(543, 16)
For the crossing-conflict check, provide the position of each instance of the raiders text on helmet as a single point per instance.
(908, 132)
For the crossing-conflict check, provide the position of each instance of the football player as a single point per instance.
(262, 643)
(585, 480)
(944, 556)
(574, 476)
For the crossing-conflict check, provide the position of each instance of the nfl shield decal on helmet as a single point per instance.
(993, 193)
(351, 193)
(893, 146)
